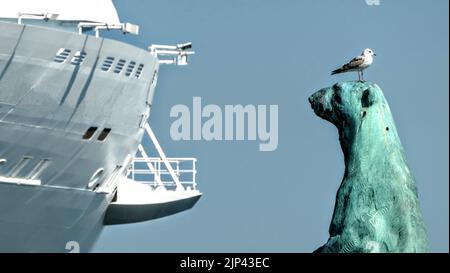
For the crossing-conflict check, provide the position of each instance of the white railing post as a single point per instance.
(176, 171)
(159, 169)
(194, 173)
(150, 165)
(132, 171)
(163, 157)
(155, 167)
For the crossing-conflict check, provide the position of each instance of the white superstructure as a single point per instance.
(95, 11)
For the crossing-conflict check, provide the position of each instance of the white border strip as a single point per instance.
(20, 181)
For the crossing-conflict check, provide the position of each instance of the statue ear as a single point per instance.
(368, 98)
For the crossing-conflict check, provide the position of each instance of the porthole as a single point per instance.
(39, 168)
(20, 166)
(104, 134)
(96, 177)
(90, 133)
(2, 162)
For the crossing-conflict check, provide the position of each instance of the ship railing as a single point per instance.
(172, 54)
(177, 174)
(154, 172)
(126, 28)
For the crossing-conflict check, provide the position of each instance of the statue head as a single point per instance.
(345, 104)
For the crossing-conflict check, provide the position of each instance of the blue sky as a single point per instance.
(280, 52)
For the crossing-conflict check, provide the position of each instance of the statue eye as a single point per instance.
(337, 98)
(366, 99)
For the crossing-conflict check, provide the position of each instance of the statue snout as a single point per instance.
(320, 103)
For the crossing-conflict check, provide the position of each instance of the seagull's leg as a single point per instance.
(359, 76)
(362, 75)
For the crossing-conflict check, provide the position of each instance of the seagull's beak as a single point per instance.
(374, 54)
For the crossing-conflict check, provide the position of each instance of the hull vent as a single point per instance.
(62, 55)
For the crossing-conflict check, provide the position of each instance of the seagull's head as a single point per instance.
(368, 52)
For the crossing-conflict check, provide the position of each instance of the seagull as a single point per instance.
(358, 64)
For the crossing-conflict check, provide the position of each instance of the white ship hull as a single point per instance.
(73, 113)
(46, 108)
(47, 220)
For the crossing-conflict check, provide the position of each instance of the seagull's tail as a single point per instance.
(337, 71)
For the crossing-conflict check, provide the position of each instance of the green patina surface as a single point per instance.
(377, 206)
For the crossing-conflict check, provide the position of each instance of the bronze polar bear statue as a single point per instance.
(377, 206)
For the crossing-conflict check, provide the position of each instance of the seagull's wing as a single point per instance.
(353, 64)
